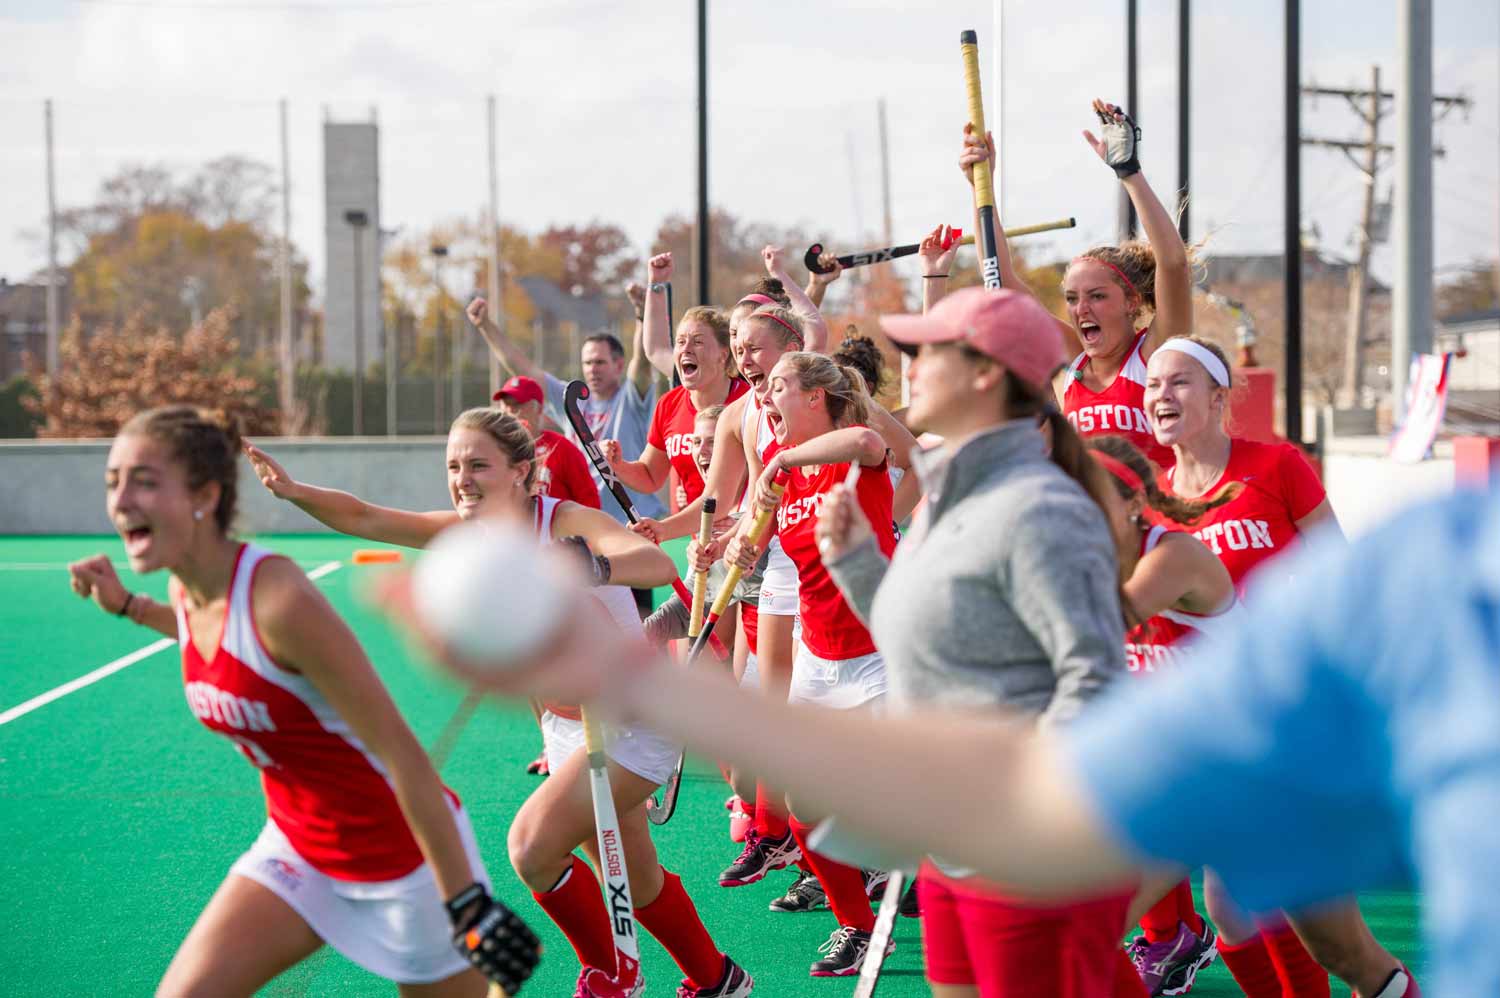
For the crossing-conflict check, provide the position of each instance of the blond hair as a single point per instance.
(508, 432)
(844, 390)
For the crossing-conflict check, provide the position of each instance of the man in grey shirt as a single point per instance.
(619, 405)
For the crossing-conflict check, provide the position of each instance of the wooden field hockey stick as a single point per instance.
(612, 858)
(759, 527)
(880, 937)
(811, 258)
(576, 391)
(659, 813)
(984, 187)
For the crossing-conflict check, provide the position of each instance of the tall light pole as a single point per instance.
(1132, 105)
(704, 283)
(439, 251)
(357, 221)
(1292, 217)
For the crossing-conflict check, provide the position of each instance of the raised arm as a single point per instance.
(346, 513)
(644, 475)
(898, 439)
(638, 370)
(1174, 275)
(725, 478)
(656, 324)
(937, 250)
(817, 284)
(813, 322)
(974, 151)
(502, 346)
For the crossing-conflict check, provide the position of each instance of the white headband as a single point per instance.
(1213, 365)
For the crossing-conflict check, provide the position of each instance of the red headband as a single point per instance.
(1120, 470)
(1128, 282)
(757, 298)
(776, 318)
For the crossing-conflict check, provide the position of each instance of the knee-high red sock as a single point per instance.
(769, 820)
(1250, 964)
(844, 885)
(1183, 892)
(1301, 975)
(576, 904)
(673, 919)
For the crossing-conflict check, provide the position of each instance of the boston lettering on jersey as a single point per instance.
(1237, 535)
(209, 703)
(1109, 418)
(793, 512)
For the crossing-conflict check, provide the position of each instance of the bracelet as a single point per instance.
(934, 277)
(657, 286)
(125, 607)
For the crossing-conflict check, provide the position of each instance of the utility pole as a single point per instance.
(1184, 111)
(705, 295)
(284, 352)
(1132, 106)
(357, 221)
(1371, 107)
(885, 175)
(492, 273)
(439, 251)
(1291, 251)
(54, 317)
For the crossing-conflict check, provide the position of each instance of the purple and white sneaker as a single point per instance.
(1171, 966)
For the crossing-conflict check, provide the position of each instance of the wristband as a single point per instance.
(125, 607)
(934, 277)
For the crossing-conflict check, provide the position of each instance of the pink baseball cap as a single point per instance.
(1010, 327)
(519, 390)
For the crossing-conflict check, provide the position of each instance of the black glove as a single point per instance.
(1120, 138)
(493, 938)
(595, 566)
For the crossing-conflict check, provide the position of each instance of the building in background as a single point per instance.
(23, 325)
(351, 183)
(1474, 377)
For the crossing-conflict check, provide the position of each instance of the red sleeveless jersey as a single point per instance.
(1281, 488)
(329, 796)
(830, 629)
(1119, 409)
(672, 433)
(1155, 644)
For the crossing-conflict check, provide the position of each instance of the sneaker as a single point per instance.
(875, 884)
(1171, 966)
(910, 906)
(741, 819)
(805, 894)
(595, 983)
(734, 984)
(845, 950)
(760, 856)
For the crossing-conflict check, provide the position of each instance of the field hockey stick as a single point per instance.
(611, 858)
(984, 187)
(759, 528)
(957, 238)
(576, 391)
(659, 813)
(880, 937)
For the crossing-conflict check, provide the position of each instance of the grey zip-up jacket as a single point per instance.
(1005, 591)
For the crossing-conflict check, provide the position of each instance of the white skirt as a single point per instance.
(778, 585)
(638, 750)
(841, 684)
(396, 929)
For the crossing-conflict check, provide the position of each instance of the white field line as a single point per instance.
(109, 669)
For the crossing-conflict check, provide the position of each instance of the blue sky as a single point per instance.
(597, 116)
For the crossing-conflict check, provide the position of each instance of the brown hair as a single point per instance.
(861, 353)
(844, 390)
(1132, 266)
(783, 324)
(508, 432)
(713, 412)
(717, 322)
(206, 442)
(1174, 508)
(772, 288)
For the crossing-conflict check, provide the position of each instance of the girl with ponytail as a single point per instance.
(1004, 595)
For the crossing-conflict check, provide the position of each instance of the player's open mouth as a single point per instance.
(137, 539)
(1090, 332)
(1165, 416)
(470, 498)
(687, 367)
(757, 380)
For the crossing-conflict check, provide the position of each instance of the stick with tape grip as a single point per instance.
(572, 395)
(760, 528)
(659, 813)
(811, 258)
(984, 187)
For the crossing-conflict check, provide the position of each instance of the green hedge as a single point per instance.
(15, 420)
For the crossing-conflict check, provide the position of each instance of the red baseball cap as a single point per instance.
(1010, 327)
(519, 390)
